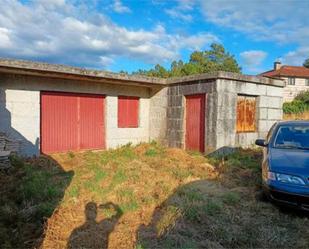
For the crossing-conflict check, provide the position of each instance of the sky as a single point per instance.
(129, 35)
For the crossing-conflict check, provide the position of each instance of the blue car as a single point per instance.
(285, 166)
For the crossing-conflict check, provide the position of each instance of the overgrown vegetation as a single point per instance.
(224, 213)
(215, 59)
(29, 194)
(299, 105)
(162, 197)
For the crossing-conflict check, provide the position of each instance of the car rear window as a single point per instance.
(292, 136)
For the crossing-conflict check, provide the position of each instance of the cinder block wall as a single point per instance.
(268, 111)
(158, 114)
(162, 109)
(221, 113)
(175, 133)
(20, 108)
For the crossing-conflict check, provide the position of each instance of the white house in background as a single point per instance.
(296, 79)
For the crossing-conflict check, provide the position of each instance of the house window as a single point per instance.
(128, 109)
(291, 81)
(246, 114)
(307, 82)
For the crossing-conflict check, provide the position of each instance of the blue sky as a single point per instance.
(132, 34)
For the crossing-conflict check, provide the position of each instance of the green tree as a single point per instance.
(215, 59)
(306, 63)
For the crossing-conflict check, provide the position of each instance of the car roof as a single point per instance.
(294, 122)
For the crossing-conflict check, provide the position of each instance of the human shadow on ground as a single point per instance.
(93, 234)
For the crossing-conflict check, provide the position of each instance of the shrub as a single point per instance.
(295, 107)
(304, 97)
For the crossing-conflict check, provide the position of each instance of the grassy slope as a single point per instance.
(164, 198)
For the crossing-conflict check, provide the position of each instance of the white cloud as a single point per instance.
(174, 13)
(182, 10)
(5, 41)
(283, 22)
(253, 59)
(296, 57)
(262, 19)
(51, 2)
(106, 61)
(119, 7)
(186, 4)
(71, 34)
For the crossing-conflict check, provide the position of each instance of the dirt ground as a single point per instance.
(147, 196)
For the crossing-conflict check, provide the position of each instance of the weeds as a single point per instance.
(29, 195)
(231, 198)
(225, 214)
(213, 208)
(185, 201)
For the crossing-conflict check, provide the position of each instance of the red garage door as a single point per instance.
(71, 121)
(195, 122)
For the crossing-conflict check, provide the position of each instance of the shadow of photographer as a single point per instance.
(93, 234)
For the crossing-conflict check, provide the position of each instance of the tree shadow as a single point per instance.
(30, 193)
(178, 221)
(223, 213)
(32, 189)
(93, 234)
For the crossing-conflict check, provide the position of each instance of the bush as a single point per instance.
(295, 107)
(304, 97)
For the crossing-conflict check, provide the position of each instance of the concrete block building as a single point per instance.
(54, 108)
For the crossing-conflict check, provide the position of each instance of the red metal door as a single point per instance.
(91, 122)
(195, 122)
(71, 121)
(128, 108)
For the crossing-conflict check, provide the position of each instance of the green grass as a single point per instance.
(73, 192)
(231, 198)
(213, 208)
(30, 195)
(186, 206)
(225, 213)
(151, 152)
(119, 177)
(38, 184)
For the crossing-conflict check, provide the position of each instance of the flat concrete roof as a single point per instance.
(67, 72)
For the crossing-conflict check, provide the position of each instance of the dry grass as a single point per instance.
(135, 179)
(300, 116)
(149, 196)
(225, 213)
